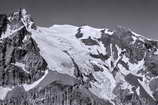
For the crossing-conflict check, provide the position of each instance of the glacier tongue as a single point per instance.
(52, 44)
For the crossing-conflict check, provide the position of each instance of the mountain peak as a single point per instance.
(106, 66)
(24, 17)
(16, 21)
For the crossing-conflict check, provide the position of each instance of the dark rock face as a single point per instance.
(54, 94)
(13, 75)
(13, 50)
(89, 42)
(79, 34)
(3, 24)
(16, 51)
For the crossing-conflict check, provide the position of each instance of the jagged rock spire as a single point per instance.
(27, 19)
(15, 22)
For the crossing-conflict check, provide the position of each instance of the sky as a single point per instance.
(140, 16)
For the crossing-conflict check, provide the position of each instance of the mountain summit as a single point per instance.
(70, 65)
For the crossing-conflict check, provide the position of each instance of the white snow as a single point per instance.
(55, 40)
(52, 42)
(22, 66)
(142, 38)
(146, 88)
(134, 39)
(58, 38)
(111, 59)
(104, 86)
(156, 52)
(105, 83)
(26, 20)
(123, 70)
(119, 50)
(107, 31)
(26, 38)
(90, 31)
(120, 78)
(138, 36)
(28, 87)
(9, 32)
(134, 68)
(126, 85)
(4, 91)
(138, 91)
(102, 49)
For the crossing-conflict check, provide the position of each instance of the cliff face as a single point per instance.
(69, 65)
(3, 22)
(20, 60)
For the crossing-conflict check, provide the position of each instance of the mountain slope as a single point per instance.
(92, 49)
(66, 64)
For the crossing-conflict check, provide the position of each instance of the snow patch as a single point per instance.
(146, 87)
(126, 85)
(22, 66)
(139, 37)
(123, 70)
(9, 32)
(105, 83)
(28, 87)
(102, 49)
(138, 91)
(4, 91)
(107, 31)
(156, 52)
(90, 32)
(104, 86)
(134, 68)
(134, 39)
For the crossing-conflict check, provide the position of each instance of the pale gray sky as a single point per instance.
(139, 15)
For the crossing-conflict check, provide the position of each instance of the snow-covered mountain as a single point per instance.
(69, 65)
